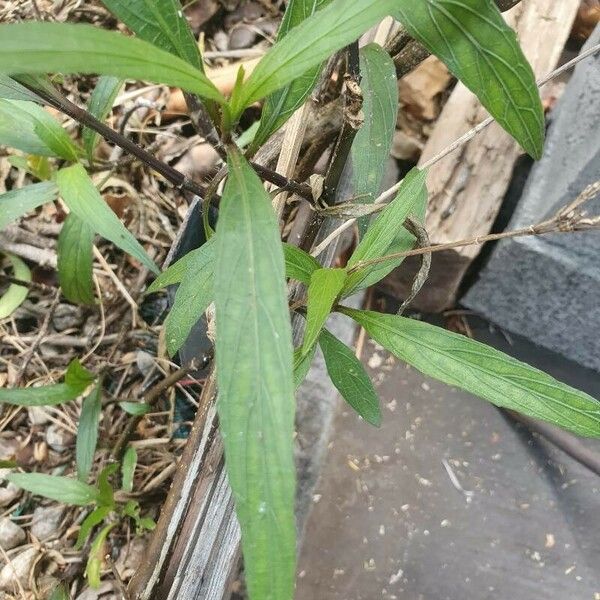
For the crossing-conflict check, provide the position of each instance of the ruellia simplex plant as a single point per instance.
(241, 275)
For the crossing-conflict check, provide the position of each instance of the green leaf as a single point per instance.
(477, 45)
(128, 469)
(60, 592)
(302, 363)
(193, 297)
(180, 269)
(255, 380)
(160, 22)
(13, 90)
(77, 48)
(299, 264)
(62, 489)
(75, 260)
(77, 380)
(96, 557)
(135, 408)
(106, 494)
(373, 142)
(324, 289)
(28, 127)
(77, 376)
(387, 232)
(100, 105)
(483, 371)
(94, 518)
(15, 294)
(16, 203)
(87, 432)
(81, 196)
(350, 378)
(308, 45)
(282, 104)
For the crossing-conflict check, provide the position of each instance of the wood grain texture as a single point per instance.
(467, 187)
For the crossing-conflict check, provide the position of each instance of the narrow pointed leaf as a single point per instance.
(202, 257)
(62, 489)
(81, 196)
(87, 432)
(324, 289)
(77, 380)
(483, 371)
(193, 296)
(308, 45)
(373, 142)
(15, 294)
(477, 45)
(299, 264)
(350, 378)
(255, 380)
(160, 22)
(128, 469)
(93, 567)
(28, 127)
(13, 90)
(100, 105)
(387, 232)
(16, 203)
(94, 518)
(282, 104)
(75, 261)
(302, 363)
(76, 48)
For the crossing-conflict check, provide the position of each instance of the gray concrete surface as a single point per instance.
(450, 500)
(547, 288)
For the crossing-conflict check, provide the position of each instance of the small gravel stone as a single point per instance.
(11, 535)
(46, 521)
(18, 570)
(59, 439)
(38, 415)
(9, 493)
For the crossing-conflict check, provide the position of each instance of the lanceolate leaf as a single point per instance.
(299, 264)
(255, 381)
(483, 371)
(100, 105)
(387, 232)
(184, 267)
(302, 364)
(128, 469)
(160, 22)
(81, 196)
(69, 48)
(282, 104)
(309, 44)
(13, 90)
(62, 489)
(325, 286)
(473, 39)
(75, 260)
(15, 294)
(28, 127)
(192, 298)
(77, 380)
(16, 203)
(373, 142)
(87, 432)
(350, 378)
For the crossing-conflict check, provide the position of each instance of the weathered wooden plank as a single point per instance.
(467, 187)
